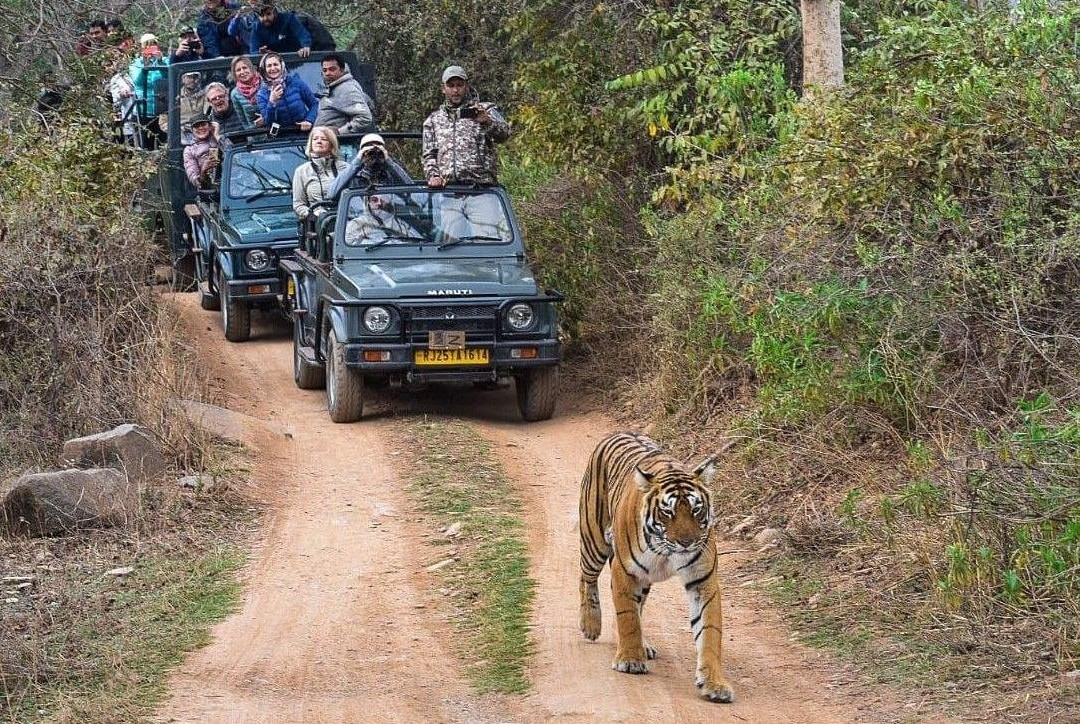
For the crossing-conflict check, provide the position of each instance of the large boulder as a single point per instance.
(131, 448)
(65, 500)
(227, 426)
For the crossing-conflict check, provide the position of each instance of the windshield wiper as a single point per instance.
(266, 192)
(455, 242)
(388, 239)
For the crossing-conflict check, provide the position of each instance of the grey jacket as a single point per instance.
(311, 183)
(346, 107)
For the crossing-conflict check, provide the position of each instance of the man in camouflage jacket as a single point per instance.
(460, 136)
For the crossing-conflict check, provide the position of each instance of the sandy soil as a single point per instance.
(340, 623)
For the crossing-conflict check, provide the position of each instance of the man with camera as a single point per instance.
(189, 48)
(372, 165)
(460, 137)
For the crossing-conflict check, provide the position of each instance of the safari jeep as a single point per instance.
(168, 190)
(243, 229)
(406, 284)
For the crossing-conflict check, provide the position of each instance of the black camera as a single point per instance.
(470, 111)
(195, 45)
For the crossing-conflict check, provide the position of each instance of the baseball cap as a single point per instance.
(371, 139)
(198, 118)
(454, 71)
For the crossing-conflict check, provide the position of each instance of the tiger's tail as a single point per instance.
(593, 521)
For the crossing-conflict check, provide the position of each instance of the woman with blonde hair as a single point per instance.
(245, 96)
(312, 180)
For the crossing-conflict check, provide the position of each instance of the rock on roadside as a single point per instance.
(132, 448)
(57, 502)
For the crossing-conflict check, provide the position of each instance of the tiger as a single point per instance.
(651, 518)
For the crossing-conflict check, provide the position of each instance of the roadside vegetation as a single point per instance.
(86, 344)
(480, 553)
(874, 290)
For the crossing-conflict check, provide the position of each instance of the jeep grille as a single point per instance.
(476, 320)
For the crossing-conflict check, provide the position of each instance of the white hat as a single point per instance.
(147, 39)
(454, 71)
(371, 138)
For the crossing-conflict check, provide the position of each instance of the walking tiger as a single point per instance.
(651, 518)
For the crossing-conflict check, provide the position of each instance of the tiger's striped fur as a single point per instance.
(651, 518)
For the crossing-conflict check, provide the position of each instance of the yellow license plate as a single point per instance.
(471, 356)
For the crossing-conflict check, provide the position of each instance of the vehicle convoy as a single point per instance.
(168, 190)
(408, 285)
(245, 227)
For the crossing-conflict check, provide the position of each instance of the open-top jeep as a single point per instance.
(246, 226)
(408, 284)
(168, 190)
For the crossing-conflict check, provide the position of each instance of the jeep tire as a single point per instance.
(209, 301)
(235, 314)
(537, 390)
(344, 385)
(307, 375)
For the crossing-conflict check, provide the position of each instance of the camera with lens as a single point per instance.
(195, 45)
(470, 111)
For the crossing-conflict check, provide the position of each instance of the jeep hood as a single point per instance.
(260, 225)
(434, 278)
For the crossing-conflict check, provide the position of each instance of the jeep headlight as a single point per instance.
(257, 260)
(520, 316)
(377, 319)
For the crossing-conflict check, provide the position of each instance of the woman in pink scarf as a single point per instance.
(247, 87)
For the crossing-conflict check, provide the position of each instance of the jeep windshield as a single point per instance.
(442, 218)
(263, 172)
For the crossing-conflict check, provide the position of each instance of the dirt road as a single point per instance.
(339, 622)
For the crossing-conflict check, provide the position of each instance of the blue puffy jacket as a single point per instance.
(297, 104)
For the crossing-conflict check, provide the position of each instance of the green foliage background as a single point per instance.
(875, 289)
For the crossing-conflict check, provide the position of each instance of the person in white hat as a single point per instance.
(372, 165)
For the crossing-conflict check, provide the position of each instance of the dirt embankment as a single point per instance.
(341, 623)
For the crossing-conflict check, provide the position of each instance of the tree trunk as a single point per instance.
(823, 59)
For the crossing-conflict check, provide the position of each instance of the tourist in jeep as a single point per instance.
(283, 98)
(460, 137)
(189, 48)
(93, 39)
(227, 117)
(371, 165)
(213, 28)
(311, 181)
(280, 32)
(346, 107)
(245, 95)
(202, 156)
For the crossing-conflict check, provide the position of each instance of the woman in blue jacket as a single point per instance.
(285, 99)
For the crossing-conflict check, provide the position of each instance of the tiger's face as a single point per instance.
(676, 511)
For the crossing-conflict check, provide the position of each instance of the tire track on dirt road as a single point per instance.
(331, 627)
(338, 621)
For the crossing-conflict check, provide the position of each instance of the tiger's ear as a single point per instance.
(643, 479)
(706, 469)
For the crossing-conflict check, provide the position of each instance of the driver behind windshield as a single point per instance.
(378, 222)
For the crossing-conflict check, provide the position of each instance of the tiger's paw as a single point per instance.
(630, 666)
(590, 623)
(717, 690)
(651, 652)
